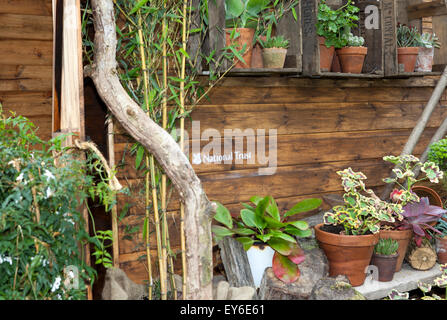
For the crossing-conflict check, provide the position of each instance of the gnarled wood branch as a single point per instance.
(198, 209)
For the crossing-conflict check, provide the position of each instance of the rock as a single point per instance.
(338, 288)
(314, 267)
(223, 291)
(118, 286)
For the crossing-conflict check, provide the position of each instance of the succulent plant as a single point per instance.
(386, 247)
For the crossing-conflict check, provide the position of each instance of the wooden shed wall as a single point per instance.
(323, 125)
(26, 60)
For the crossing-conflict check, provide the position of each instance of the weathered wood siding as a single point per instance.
(323, 125)
(26, 58)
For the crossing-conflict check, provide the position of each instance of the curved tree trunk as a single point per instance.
(198, 210)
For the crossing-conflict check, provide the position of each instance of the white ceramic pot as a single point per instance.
(259, 257)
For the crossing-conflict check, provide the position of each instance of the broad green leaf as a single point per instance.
(234, 8)
(282, 246)
(273, 210)
(302, 225)
(304, 206)
(297, 232)
(262, 206)
(282, 235)
(221, 232)
(264, 237)
(243, 231)
(297, 255)
(223, 216)
(284, 269)
(246, 242)
(254, 7)
(256, 199)
(273, 224)
(139, 156)
(252, 219)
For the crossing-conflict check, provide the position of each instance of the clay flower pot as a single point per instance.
(348, 255)
(352, 59)
(386, 266)
(260, 257)
(403, 237)
(424, 61)
(433, 197)
(441, 250)
(407, 56)
(246, 36)
(326, 55)
(274, 58)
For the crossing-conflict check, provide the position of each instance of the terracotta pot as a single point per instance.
(407, 56)
(441, 250)
(403, 237)
(256, 56)
(274, 58)
(352, 59)
(260, 257)
(348, 255)
(433, 197)
(326, 55)
(424, 61)
(386, 266)
(246, 36)
(335, 64)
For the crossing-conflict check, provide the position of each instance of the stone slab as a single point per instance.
(404, 280)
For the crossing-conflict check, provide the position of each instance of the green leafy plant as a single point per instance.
(41, 189)
(437, 153)
(363, 210)
(429, 40)
(407, 37)
(335, 25)
(403, 176)
(275, 42)
(440, 282)
(386, 247)
(244, 13)
(264, 223)
(355, 41)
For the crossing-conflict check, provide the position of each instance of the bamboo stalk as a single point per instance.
(182, 146)
(150, 162)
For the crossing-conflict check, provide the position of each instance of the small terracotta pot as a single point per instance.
(326, 55)
(441, 250)
(407, 56)
(348, 255)
(403, 237)
(246, 37)
(352, 59)
(274, 58)
(424, 61)
(386, 266)
(433, 197)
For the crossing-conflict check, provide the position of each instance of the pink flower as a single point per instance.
(395, 195)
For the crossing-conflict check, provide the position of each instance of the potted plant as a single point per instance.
(274, 52)
(441, 240)
(267, 236)
(385, 258)
(408, 47)
(241, 21)
(333, 26)
(428, 42)
(402, 229)
(352, 56)
(350, 231)
(437, 153)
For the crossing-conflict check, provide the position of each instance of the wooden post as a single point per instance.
(311, 49)
(389, 25)
(291, 29)
(217, 41)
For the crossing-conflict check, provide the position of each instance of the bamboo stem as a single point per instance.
(182, 146)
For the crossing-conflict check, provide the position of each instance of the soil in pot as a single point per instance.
(274, 58)
(386, 266)
(348, 255)
(441, 250)
(407, 57)
(246, 36)
(326, 55)
(424, 61)
(352, 59)
(403, 237)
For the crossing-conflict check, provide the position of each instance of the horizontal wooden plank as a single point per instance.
(26, 7)
(18, 26)
(35, 108)
(26, 52)
(296, 149)
(25, 85)
(18, 72)
(294, 95)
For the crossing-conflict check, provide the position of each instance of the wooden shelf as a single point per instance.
(427, 9)
(262, 71)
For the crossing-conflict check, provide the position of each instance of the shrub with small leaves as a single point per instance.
(437, 153)
(386, 247)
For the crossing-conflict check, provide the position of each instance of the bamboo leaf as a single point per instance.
(137, 7)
